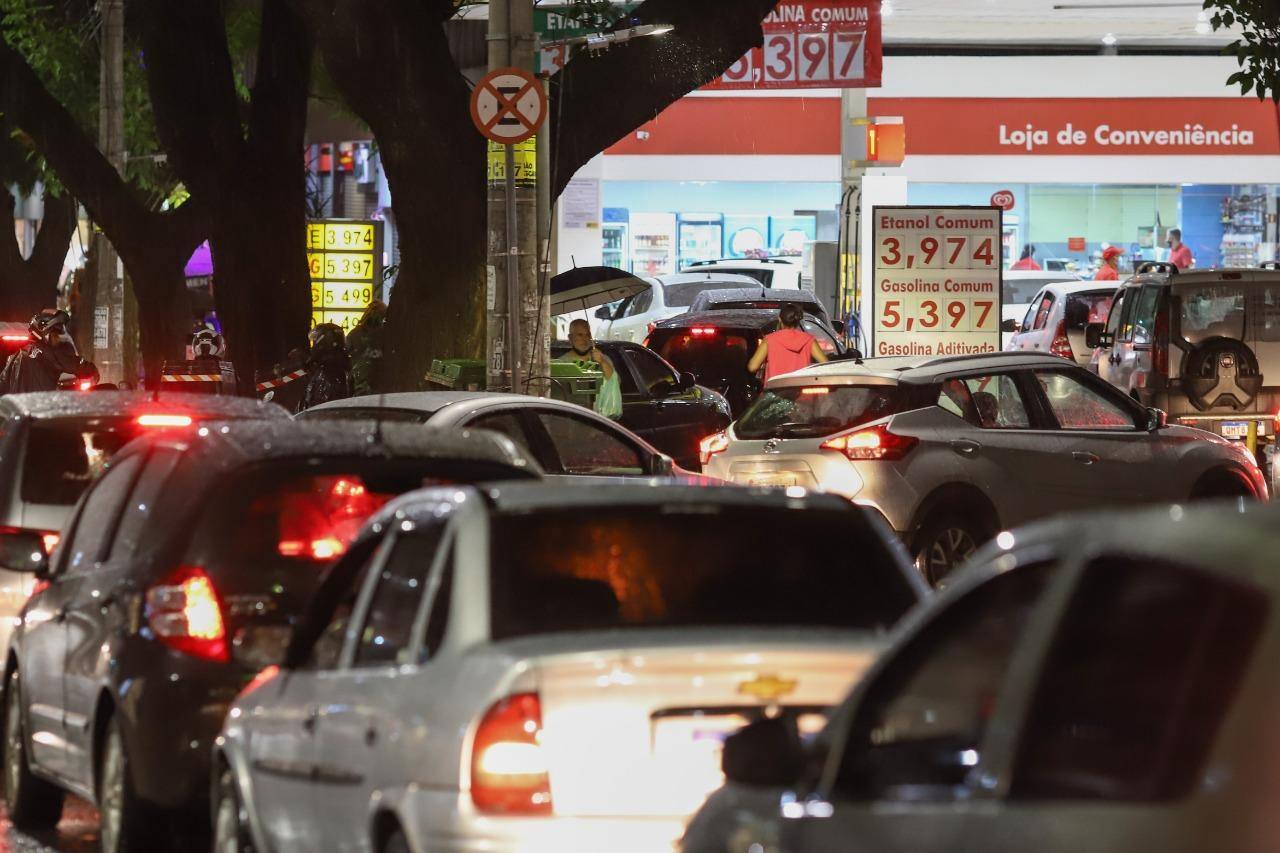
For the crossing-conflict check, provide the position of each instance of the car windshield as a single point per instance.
(630, 567)
(1020, 291)
(682, 295)
(716, 356)
(1086, 308)
(1225, 310)
(815, 411)
(63, 457)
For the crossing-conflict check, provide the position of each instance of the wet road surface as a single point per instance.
(77, 833)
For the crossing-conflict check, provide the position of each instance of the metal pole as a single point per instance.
(108, 322)
(513, 274)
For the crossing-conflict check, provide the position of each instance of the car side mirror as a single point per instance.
(23, 551)
(1009, 326)
(604, 313)
(663, 466)
(764, 754)
(1157, 419)
(686, 381)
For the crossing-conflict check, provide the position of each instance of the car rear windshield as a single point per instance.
(1020, 291)
(701, 566)
(1086, 308)
(715, 355)
(682, 295)
(1229, 310)
(816, 411)
(64, 457)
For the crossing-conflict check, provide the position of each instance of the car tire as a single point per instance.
(944, 542)
(1220, 485)
(125, 824)
(230, 822)
(396, 842)
(33, 804)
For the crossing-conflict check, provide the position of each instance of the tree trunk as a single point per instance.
(30, 284)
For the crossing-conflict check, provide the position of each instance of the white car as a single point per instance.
(1019, 291)
(1104, 683)
(550, 669)
(1057, 318)
(771, 272)
(668, 296)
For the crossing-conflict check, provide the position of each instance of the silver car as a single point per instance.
(952, 450)
(551, 668)
(1102, 683)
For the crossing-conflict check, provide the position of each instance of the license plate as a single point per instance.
(1238, 429)
(772, 480)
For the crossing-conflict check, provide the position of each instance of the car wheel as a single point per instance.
(231, 824)
(123, 823)
(943, 544)
(396, 843)
(33, 804)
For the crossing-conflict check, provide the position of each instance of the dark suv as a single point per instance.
(1203, 345)
(715, 346)
(181, 575)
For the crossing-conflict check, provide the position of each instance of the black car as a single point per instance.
(665, 407)
(760, 297)
(716, 345)
(182, 572)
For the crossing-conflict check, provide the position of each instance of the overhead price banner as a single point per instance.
(345, 260)
(937, 280)
(813, 44)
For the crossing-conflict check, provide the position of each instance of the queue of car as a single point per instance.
(477, 621)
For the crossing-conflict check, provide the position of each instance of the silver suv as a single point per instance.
(1203, 345)
(952, 450)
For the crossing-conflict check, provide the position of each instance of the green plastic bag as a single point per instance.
(609, 399)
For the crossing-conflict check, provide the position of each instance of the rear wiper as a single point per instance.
(794, 430)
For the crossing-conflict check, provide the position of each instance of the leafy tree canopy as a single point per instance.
(1258, 49)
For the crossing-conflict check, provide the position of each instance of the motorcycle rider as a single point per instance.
(51, 355)
(328, 367)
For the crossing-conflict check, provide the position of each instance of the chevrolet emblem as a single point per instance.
(768, 687)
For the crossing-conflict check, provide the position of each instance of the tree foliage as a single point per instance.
(1258, 49)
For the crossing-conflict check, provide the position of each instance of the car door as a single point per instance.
(658, 410)
(907, 751)
(1100, 451)
(995, 445)
(62, 616)
(1128, 347)
(1099, 756)
(360, 732)
(584, 446)
(1039, 336)
(1020, 337)
(280, 745)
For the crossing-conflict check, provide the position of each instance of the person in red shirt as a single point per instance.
(1027, 261)
(787, 350)
(1179, 254)
(1110, 270)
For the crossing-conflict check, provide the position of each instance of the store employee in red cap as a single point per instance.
(1110, 264)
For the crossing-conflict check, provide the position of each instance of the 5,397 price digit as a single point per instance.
(934, 315)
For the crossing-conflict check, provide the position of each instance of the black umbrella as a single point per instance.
(587, 287)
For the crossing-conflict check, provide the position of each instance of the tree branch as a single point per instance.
(54, 236)
(599, 98)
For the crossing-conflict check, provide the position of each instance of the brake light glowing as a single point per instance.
(875, 443)
(86, 385)
(508, 766)
(50, 541)
(322, 515)
(702, 331)
(154, 420)
(13, 339)
(1160, 343)
(711, 445)
(185, 615)
(1061, 345)
(815, 390)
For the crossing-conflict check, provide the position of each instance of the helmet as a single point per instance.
(49, 321)
(206, 343)
(327, 337)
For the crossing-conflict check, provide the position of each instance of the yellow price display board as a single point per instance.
(345, 266)
(347, 320)
(341, 236)
(526, 161)
(345, 295)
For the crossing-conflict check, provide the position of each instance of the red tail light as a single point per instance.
(508, 765)
(260, 680)
(13, 339)
(702, 331)
(1160, 343)
(317, 522)
(185, 615)
(1061, 343)
(875, 443)
(711, 445)
(158, 420)
(86, 385)
(649, 330)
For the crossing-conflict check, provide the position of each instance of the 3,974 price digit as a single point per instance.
(937, 252)
(937, 315)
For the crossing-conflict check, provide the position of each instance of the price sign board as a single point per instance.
(345, 260)
(937, 280)
(813, 44)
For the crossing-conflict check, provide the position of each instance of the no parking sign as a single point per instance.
(508, 106)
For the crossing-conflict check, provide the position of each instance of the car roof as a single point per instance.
(234, 443)
(915, 369)
(701, 277)
(1073, 287)
(745, 294)
(727, 262)
(99, 404)
(430, 402)
(1047, 276)
(748, 318)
